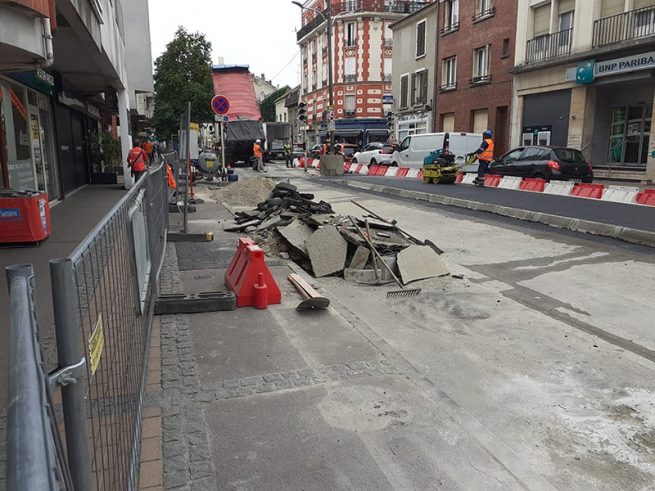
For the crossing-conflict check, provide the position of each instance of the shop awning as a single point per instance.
(377, 131)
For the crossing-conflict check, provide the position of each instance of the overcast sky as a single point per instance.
(259, 33)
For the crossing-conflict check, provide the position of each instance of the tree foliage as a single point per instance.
(267, 106)
(183, 73)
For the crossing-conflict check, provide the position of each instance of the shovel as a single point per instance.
(403, 292)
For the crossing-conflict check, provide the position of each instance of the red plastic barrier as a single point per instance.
(402, 172)
(646, 197)
(376, 170)
(492, 180)
(347, 166)
(588, 191)
(243, 275)
(420, 174)
(533, 184)
(459, 177)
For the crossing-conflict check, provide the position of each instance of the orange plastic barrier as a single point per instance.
(646, 197)
(533, 184)
(588, 191)
(347, 166)
(402, 172)
(243, 277)
(459, 177)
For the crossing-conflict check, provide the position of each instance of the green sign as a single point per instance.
(585, 72)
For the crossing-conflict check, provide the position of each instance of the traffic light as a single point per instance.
(302, 112)
(389, 119)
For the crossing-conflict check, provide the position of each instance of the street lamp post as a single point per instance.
(328, 21)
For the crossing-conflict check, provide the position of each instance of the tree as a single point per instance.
(267, 106)
(183, 73)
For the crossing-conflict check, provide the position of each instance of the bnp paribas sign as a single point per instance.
(588, 70)
(642, 61)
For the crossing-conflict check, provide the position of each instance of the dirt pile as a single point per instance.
(247, 192)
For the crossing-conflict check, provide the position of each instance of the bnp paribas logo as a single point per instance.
(585, 72)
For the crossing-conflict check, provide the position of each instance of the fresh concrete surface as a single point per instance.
(490, 381)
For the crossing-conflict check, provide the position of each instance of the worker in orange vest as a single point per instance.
(148, 148)
(258, 155)
(485, 156)
(324, 149)
(137, 160)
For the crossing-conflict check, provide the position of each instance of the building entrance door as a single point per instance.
(629, 135)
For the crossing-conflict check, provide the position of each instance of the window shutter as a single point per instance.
(480, 120)
(448, 122)
(612, 7)
(541, 20)
(403, 91)
(420, 39)
(566, 6)
(413, 98)
(424, 87)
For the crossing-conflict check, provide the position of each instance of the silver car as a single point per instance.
(375, 153)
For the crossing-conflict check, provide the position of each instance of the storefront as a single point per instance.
(28, 133)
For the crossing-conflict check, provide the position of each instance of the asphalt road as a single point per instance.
(632, 216)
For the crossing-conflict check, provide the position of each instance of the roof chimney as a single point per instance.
(221, 60)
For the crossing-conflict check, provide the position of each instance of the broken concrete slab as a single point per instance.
(327, 251)
(270, 222)
(419, 263)
(360, 258)
(368, 277)
(296, 233)
(242, 227)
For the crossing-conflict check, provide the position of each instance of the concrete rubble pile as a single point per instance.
(290, 224)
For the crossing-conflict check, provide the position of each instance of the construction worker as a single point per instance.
(137, 160)
(287, 154)
(258, 155)
(485, 156)
(324, 149)
(148, 147)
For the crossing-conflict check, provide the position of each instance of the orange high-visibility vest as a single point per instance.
(171, 179)
(488, 154)
(137, 159)
(257, 151)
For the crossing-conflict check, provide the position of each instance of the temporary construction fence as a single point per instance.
(103, 300)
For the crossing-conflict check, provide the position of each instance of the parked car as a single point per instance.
(552, 163)
(315, 151)
(375, 153)
(346, 149)
(413, 149)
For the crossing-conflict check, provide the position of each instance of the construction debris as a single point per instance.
(248, 192)
(420, 262)
(289, 223)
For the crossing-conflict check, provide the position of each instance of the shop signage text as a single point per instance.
(642, 61)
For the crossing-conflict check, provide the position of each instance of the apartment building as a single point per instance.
(583, 77)
(475, 54)
(414, 74)
(362, 47)
(63, 77)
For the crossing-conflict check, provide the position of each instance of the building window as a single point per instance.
(351, 5)
(481, 65)
(350, 105)
(350, 69)
(404, 82)
(387, 69)
(420, 87)
(451, 16)
(351, 34)
(566, 15)
(388, 36)
(449, 73)
(420, 39)
(483, 10)
(448, 122)
(505, 48)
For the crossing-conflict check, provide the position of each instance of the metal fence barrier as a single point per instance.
(103, 300)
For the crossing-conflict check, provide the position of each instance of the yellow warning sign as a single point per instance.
(96, 344)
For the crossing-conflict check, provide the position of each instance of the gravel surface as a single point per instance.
(247, 192)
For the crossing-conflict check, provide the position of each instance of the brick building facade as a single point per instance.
(362, 53)
(475, 54)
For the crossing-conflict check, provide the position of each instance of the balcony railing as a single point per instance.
(483, 14)
(635, 24)
(397, 6)
(549, 46)
(448, 86)
(350, 78)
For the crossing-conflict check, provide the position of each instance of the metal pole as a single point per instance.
(222, 129)
(304, 129)
(187, 160)
(330, 81)
(70, 354)
(27, 455)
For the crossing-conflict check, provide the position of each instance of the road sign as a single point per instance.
(220, 104)
(226, 118)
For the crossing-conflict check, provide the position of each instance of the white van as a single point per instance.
(413, 149)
